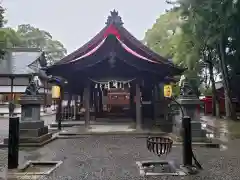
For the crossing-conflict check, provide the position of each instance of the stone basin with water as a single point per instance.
(32, 168)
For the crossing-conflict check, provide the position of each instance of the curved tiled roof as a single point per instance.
(128, 42)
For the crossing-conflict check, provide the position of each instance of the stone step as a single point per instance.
(32, 139)
(31, 124)
(33, 132)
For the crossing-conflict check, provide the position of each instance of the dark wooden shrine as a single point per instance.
(115, 54)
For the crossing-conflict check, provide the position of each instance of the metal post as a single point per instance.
(187, 141)
(13, 142)
(60, 108)
(11, 102)
(44, 92)
(12, 98)
(59, 114)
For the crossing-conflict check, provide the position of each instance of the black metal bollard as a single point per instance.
(60, 123)
(59, 114)
(187, 141)
(13, 142)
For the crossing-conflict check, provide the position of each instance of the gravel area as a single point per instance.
(114, 158)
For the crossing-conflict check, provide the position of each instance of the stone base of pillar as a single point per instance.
(190, 105)
(138, 127)
(87, 126)
(198, 134)
(33, 133)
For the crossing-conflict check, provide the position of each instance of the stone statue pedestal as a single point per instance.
(32, 130)
(190, 105)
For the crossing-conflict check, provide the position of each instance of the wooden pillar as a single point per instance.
(154, 101)
(47, 96)
(95, 100)
(44, 93)
(138, 107)
(87, 104)
(100, 96)
(75, 107)
(81, 96)
(132, 103)
(91, 95)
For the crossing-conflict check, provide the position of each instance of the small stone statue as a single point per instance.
(185, 88)
(32, 89)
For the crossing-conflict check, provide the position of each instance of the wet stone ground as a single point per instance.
(114, 158)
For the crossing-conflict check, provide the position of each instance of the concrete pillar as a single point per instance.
(138, 107)
(87, 104)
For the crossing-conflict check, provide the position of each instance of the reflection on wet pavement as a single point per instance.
(221, 129)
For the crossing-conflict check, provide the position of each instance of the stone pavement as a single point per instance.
(222, 127)
(114, 158)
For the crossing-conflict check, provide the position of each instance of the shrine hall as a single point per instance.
(115, 76)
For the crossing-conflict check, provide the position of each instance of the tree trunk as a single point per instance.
(214, 92)
(230, 111)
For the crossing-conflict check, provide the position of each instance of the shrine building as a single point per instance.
(115, 76)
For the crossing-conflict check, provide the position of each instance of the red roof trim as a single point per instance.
(89, 45)
(135, 53)
(112, 30)
(133, 40)
(90, 52)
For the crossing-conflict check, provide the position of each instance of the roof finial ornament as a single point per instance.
(114, 18)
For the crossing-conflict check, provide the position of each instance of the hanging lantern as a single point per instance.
(56, 92)
(167, 91)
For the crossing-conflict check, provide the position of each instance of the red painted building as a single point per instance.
(220, 93)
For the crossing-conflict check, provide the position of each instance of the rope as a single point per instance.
(104, 81)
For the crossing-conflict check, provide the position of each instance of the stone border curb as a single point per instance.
(45, 115)
(54, 137)
(198, 144)
(28, 163)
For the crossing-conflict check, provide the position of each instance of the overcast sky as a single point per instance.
(74, 22)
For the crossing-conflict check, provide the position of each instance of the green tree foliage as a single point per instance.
(2, 20)
(168, 38)
(203, 34)
(8, 37)
(37, 38)
(220, 38)
(30, 37)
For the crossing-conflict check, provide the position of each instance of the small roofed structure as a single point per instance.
(113, 54)
(17, 68)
